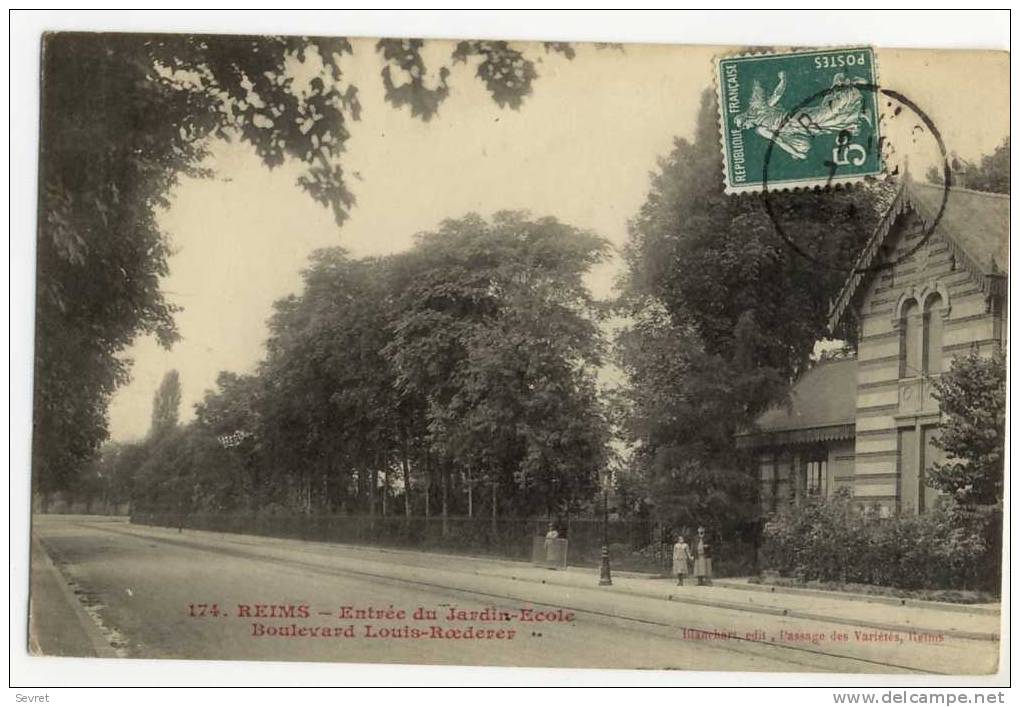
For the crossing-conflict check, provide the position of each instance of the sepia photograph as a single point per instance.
(530, 354)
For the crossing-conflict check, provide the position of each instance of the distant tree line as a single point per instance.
(990, 173)
(455, 378)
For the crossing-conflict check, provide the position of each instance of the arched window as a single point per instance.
(932, 340)
(910, 342)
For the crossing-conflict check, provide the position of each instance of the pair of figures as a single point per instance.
(701, 557)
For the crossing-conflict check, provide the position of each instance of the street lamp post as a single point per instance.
(605, 576)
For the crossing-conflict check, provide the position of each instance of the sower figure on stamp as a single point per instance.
(842, 109)
(702, 559)
(682, 558)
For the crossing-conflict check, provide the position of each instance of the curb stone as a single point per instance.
(99, 644)
(870, 598)
(778, 611)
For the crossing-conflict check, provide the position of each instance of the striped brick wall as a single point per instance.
(895, 410)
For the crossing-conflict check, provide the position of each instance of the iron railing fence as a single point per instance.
(634, 545)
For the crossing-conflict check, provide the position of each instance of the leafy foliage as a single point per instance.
(105, 484)
(496, 334)
(972, 397)
(726, 315)
(328, 404)
(466, 363)
(232, 414)
(676, 414)
(831, 540)
(123, 117)
(187, 471)
(166, 404)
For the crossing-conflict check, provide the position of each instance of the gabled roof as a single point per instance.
(822, 406)
(974, 223)
(977, 221)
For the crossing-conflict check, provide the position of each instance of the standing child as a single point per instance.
(681, 560)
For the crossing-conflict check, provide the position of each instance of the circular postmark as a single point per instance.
(891, 99)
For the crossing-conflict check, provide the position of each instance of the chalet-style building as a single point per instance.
(867, 423)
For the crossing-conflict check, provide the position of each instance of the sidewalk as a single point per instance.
(922, 617)
(745, 584)
(58, 626)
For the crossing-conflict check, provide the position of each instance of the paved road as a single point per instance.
(151, 592)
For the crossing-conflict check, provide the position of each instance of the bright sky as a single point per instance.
(581, 149)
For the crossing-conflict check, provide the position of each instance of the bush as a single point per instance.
(833, 540)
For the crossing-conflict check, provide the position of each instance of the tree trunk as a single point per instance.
(256, 484)
(308, 495)
(428, 484)
(405, 464)
(360, 488)
(373, 483)
(385, 488)
(470, 495)
(494, 509)
(445, 482)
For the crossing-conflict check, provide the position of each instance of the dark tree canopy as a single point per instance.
(992, 174)
(457, 376)
(123, 117)
(497, 334)
(726, 314)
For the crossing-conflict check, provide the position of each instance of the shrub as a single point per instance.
(832, 540)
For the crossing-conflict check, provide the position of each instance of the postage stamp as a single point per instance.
(798, 119)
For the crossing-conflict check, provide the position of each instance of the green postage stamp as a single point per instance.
(798, 119)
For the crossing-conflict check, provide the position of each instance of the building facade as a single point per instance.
(930, 284)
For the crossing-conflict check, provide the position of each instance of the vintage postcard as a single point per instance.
(497, 353)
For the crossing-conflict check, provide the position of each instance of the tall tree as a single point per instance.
(232, 414)
(725, 314)
(497, 333)
(166, 405)
(118, 465)
(188, 470)
(330, 399)
(123, 117)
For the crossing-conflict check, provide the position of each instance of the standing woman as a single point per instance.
(550, 544)
(702, 559)
(681, 560)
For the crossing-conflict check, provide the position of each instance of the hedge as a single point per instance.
(835, 540)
